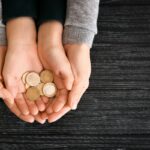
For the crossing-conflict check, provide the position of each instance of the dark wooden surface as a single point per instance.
(114, 114)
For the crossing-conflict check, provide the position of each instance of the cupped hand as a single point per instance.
(79, 58)
(8, 98)
(21, 57)
(53, 57)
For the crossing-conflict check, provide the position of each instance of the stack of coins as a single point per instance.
(37, 85)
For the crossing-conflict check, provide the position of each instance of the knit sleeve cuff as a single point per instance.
(77, 35)
(3, 40)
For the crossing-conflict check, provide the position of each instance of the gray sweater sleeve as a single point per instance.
(81, 21)
(2, 29)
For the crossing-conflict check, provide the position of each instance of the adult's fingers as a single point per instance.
(6, 96)
(57, 115)
(14, 109)
(79, 87)
(40, 119)
(21, 104)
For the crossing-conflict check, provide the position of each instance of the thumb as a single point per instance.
(67, 77)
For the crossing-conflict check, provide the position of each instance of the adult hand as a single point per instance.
(79, 58)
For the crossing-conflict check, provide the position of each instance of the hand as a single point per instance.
(53, 57)
(79, 58)
(4, 94)
(21, 57)
(8, 98)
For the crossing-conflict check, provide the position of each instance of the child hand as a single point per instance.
(53, 57)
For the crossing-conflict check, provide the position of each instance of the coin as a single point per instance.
(24, 77)
(32, 93)
(32, 79)
(49, 89)
(46, 76)
(40, 88)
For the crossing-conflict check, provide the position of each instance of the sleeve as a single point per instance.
(2, 29)
(18, 8)
(81, 21)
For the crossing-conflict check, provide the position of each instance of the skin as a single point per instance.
(53, 57)
(22, 57)
(72, 60)
(70, 65)
(8, 98)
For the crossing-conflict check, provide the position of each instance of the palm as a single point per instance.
(56, 61)
(17, 64)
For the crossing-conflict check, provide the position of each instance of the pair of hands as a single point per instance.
(71, 67)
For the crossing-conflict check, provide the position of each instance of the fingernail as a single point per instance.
(74, 107)
(31, 120)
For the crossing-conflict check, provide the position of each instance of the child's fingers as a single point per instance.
(57, 115)
(21, 103)
(32, 106)
(67, 77)
(40, 104)
(60, 100)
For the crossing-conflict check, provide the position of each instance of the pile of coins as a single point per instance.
(39, 84)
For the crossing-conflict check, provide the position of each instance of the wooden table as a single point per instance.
(115, 111)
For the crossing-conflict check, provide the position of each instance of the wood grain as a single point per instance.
(114, 113)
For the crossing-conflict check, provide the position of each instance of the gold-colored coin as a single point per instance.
(46, 76)
(40, 88)
(24, 77)
(49, 89)
(32, 93)
(32, 79)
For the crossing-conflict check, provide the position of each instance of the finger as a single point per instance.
(49, 108)
(6, 96)
(32, 106)
(12, 85)
(44, 115)
(59, 83)
(39, 118)
(14, 109)
(45, 99)
(21, 104)
(76, 93)
(60, 101)
(40, 104)
(67, 77)
(55, 116)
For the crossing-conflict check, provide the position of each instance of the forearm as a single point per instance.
(81, 21)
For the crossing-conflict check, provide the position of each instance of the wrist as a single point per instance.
(21, 30)
(50, 33)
